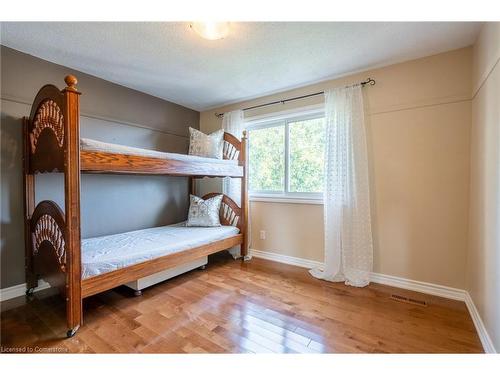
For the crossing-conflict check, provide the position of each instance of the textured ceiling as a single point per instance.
(170, 61)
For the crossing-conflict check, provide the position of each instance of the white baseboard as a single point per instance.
(399, 282)
(480, 328)
(20, 290)
(300, 262)
(419, 286)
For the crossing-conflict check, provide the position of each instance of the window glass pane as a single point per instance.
(267, 159)
(306, 155)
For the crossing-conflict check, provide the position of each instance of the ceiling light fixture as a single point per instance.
(211, 30)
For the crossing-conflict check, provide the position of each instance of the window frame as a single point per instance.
(284, 119)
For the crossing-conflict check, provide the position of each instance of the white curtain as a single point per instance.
(348, 235)
(232, 122)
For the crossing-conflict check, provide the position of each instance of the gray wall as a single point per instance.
(113, 113)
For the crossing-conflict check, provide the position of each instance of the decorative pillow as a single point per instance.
(204, 213)
(209, 146)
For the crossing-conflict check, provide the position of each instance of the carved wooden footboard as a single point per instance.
(51, 138)
(48, 244)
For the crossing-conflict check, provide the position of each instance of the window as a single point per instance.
(286, 157)
(267, 159)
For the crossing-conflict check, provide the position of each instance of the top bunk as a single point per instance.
(102, 157)
(52, 136)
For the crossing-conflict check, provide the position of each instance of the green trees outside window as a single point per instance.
(287, 156)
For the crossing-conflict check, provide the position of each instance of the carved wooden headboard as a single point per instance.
(45, 128)
(232, 148)
(230, 213)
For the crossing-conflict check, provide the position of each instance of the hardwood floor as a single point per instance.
(258, 307)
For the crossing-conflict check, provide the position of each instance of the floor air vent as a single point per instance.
(413, 301)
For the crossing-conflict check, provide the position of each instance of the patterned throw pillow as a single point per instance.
(209, 146)
(204, 213)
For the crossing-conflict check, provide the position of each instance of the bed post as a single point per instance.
(192, 185)
(244, 197)
(29, 207)
(72, 204)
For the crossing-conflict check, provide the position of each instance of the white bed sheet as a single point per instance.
(109, 253)
(87, 144)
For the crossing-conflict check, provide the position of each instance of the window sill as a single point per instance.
(315, 201)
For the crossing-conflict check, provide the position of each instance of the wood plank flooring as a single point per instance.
(255, 307)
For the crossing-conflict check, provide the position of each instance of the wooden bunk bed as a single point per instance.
(51, 137)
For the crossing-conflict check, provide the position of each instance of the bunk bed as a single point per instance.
(54, 248)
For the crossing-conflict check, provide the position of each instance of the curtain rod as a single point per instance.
(369, 81)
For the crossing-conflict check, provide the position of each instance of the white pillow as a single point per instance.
(209, 146)
(204, 213)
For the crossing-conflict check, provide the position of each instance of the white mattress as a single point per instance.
(109, 253)
(93, 145)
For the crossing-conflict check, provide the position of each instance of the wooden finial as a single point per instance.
(71, 81)
(244, 133)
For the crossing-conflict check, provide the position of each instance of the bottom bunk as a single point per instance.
(123, 258)
(104, 254)
(142, 257)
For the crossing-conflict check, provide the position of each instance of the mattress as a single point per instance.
(98, 146)
(109, 253)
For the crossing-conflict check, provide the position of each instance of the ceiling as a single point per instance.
(170, 61)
